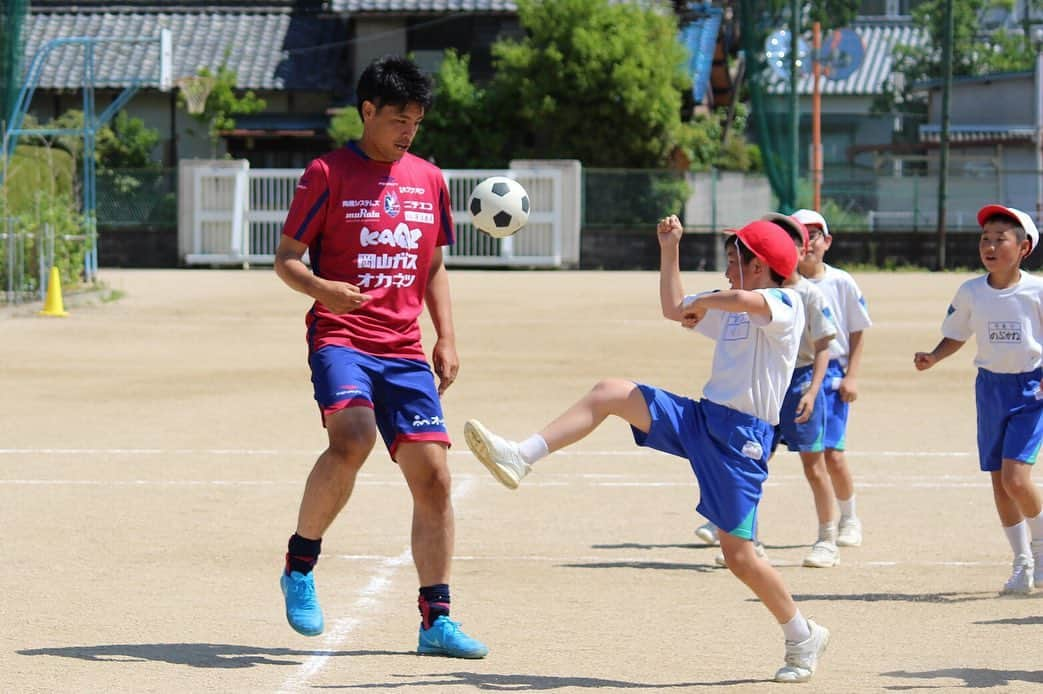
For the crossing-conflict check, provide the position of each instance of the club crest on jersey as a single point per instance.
(391, 204)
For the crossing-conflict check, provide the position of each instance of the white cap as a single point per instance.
(1022, 219)
(809, 217)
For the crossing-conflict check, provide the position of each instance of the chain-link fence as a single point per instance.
(27, 254)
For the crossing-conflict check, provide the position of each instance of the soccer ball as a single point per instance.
(499, 206)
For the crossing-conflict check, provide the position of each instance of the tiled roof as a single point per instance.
(420, 6)
(974, 133)
(266, 50)
(869, 79)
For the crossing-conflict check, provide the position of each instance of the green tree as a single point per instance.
(346, 124)
(223, 104)
(975, 51)
(461, 130)
(591, 80)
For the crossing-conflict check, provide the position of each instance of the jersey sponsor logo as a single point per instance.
(737, 327)
(362, 214)
(422, 205)
(401, 237)
(348, 391)
(422, 217)
(387, 261)
(412, 189)
(391, 204)
(1004, 331)
(432, 421)
(358, 203)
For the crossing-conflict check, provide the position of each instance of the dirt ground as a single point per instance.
(153, 450)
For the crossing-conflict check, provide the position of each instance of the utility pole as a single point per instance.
(794, 105)
(943, 155)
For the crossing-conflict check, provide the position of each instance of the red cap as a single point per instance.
(1017, 216)
(771, 244)
(791, 225)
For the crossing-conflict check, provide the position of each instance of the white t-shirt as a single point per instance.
(754, 358)
(848, 306)
(1007, 323)
(818, 320)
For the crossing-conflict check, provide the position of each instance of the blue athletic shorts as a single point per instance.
(836, 409)
(1010, 417)
(727, 449)
(809, 436)
(401, 393)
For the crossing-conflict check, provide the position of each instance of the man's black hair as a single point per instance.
(394, 81)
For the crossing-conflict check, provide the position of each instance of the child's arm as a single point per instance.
(732, 301)
(848, 385)
(806, 404)
(946, 347)
(671, 292)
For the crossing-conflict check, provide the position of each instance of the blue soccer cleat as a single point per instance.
(445, 638)
(302, 605)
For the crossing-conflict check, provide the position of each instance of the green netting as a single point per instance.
(12, 21)
(770, 114)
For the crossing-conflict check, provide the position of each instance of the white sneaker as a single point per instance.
(1037, 554)
(720, 561)
(1020, 581)
(497, 454)
(707, 532)
(802, 657)
(823, 555)
(849, 533)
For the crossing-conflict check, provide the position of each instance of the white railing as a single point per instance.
(235, 216)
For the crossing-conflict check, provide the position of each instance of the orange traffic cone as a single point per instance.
(52, 305)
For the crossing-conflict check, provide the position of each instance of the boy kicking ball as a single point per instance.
(1003, 310)
(727, 435)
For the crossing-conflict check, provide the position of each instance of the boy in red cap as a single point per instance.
(1003, 310)
(727, 435)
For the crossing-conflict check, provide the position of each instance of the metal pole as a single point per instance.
(816, 117)
(794, 107)
(943, 158)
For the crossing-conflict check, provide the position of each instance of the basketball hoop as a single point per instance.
(195, 90)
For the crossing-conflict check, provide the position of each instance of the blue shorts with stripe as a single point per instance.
(809, 436)
(836, 410)
(1010, 417)
(727, 449)
(401, 393)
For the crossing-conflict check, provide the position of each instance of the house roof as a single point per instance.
(976, 133)
(266, 50)
(879, 41)
(421, 6)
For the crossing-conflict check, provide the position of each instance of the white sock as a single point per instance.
(847, 507)
(533, 448)
(797, 629)
(1018, 537)
(828, 532)
(1036, 527)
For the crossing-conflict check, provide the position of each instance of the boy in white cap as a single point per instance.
(1003, 310)
(726, 436)
(848, 306)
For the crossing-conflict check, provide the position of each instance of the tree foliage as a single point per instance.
(223, 104)
(346, 124)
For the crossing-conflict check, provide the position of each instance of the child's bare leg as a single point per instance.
(613, 396)
(821, 486)
(760, 576)
(839, 473)
(1020, 498)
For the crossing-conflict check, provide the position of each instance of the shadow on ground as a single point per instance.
(525, 683)
(201, 655)
(973, 678)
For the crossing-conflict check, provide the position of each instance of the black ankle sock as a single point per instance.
(433, 603)
(302, 554)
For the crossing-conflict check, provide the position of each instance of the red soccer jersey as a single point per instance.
(375, 225)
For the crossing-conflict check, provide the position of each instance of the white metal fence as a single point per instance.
(233, 215)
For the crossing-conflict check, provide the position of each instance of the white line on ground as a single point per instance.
(368, 604)
(258, 452)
